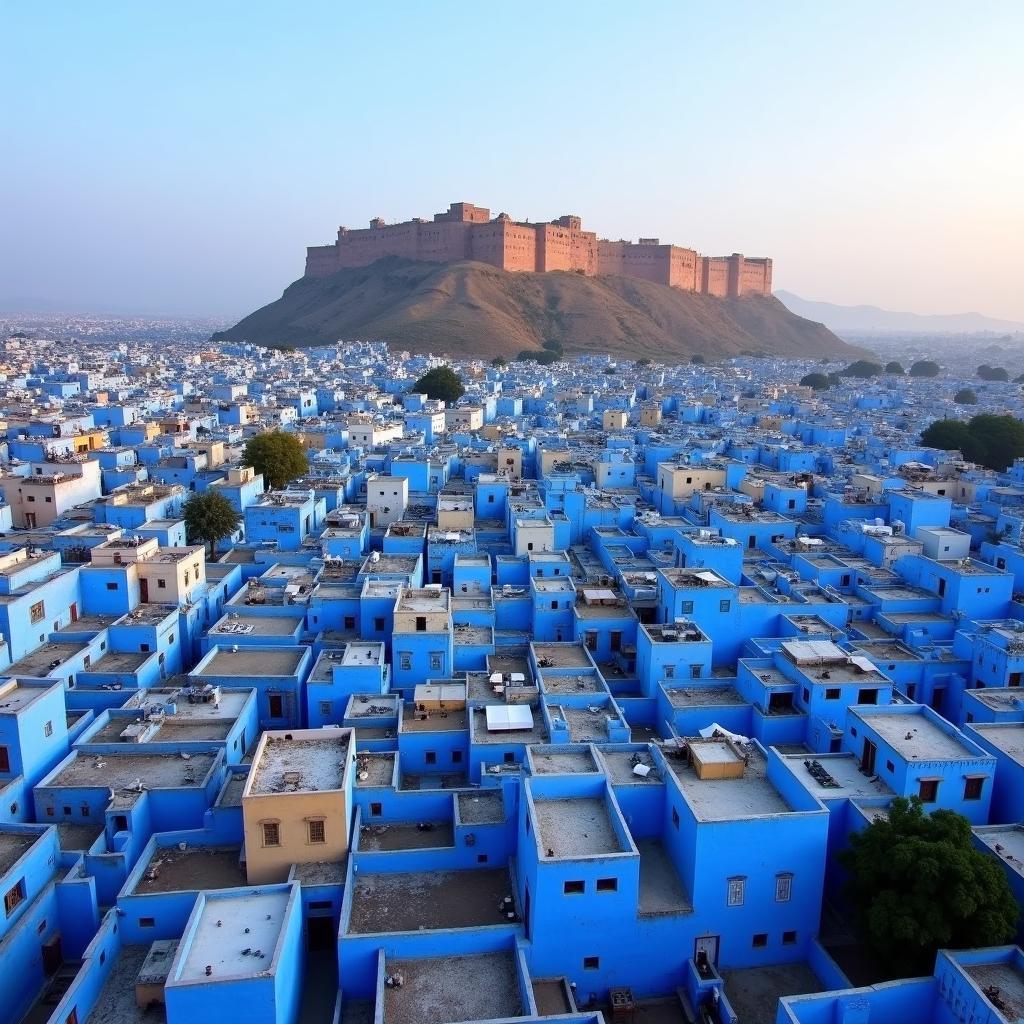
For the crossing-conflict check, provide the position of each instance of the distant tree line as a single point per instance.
(990, 440)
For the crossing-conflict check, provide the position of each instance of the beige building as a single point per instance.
(297, 801)
(49, 490)
(386, 499)
(682, 481)
(166, 575)
(614, 419)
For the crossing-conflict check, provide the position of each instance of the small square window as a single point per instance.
(760, 940)
(112, 586)
(326, 707)
(973, 787)
(481, 858)
(147, 922)
(456, 757)
(431, 757)
(833, 693)
(789, 938)
(928, 790)
(591, 963)
(14, 897)
(271, 833)
(607, 885)
(574, 888)
(783, 888)
(48, 729)
(317, 831)
(736, 892)
(675, 817)
(686, 608)
(510, 757)
(724, 606)
(376, 810)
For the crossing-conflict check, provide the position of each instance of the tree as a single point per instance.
(924, 368)
(990, 440)
(918, 884)
(610, 370)
(441, 383)
(895, 367)
(863, 368)
(499, 361)
(986, 372)
(965, 396)
(643, 361)
(819, 381)
(697, 359)
(210, 517)
(278, 456)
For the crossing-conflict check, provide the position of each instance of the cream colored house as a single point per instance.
(297, 801)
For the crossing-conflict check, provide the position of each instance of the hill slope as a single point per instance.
(474, 310)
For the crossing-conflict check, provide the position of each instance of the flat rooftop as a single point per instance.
(1007, 980)
(45, 659)
(444, 990)
(661, 889)
(428, 900)
(120, 662)
(305, 764)
(620, 765)
(701, 696)
(834, 776)
(564, 762)
(583, 682)
(13, 846)
(1006, 842)
(230, 924)
(1007, 737)
(398, 835)
(573, 827)
(917, 737)
(15, 698)
(173, 870)
(227, 709)
(116, 1001)
(237, 624)
(250, 662)
(124, 771)
(750, 796)
(485, 807)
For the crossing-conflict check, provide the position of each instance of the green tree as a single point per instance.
(990, 440)
(610, 370)
(925, 368)
(210, 517)
(643, 361)
(818, 381)
(499, 361)
(895, 367)
(918, 884)
(278, 456)
(986, 372)
(441, 383)
(862, 368)
(965, 396)
(698, 359)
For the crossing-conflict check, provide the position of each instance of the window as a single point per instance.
(889, 766)
(807, 695)
(376, 810)
(437, 660)
(271, 833)
(510, 757)
(162, 584)
(591, 639)
(607, 885)
(5, 759)
(37, 612)
(675, 817)
(832, 693)
(573, 888)
(144, 648)
(112, 586)
(591, 963)
(670, 671)
(350, 622)
(760, 940)
(430, 757)
(14, 897)
(554, 605)
(737, 891)
(378, 625)
(326, 707)
(421, 623)
(928, 790)
(867, 697)
(456, 757)
(686, 608)
(783, 888)
(48, 729)
(481, 858)
(724, 606)
(789, 938)
(316, 831)
(147, 922)
(275, 706)
(973, 787)
(404, 661)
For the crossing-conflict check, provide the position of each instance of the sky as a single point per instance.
(178, 157)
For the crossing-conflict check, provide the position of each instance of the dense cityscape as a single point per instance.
(560, 698)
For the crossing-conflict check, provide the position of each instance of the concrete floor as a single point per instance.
(754, 992)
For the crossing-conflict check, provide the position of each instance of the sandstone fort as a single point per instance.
(468, 232)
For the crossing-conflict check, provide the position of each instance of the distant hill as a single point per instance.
(871, 318)
(474, 310)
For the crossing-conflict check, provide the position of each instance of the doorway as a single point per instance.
(705, 951)
(867, 760)
(321, 932)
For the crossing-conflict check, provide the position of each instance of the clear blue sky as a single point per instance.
(178, 157)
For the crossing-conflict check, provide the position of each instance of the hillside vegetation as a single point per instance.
(474, 310)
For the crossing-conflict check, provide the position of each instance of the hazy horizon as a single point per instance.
(179, 160)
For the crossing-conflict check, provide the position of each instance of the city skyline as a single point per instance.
(180, 162)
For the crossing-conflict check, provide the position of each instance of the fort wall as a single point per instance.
(468, 232)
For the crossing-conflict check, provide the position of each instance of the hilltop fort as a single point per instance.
(468, 232)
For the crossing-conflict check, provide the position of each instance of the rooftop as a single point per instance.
(573, 827)
(314, 761)
(749, 796)
(251, 662)
(171, 869)
(134, 772)
(428, 900)
(13, 846)
(916, 737)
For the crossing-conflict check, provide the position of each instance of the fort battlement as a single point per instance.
(468, 232)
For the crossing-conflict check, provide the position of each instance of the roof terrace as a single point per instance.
(746, 795)
(574, 827)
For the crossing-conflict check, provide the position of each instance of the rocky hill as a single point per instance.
(474, 310)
